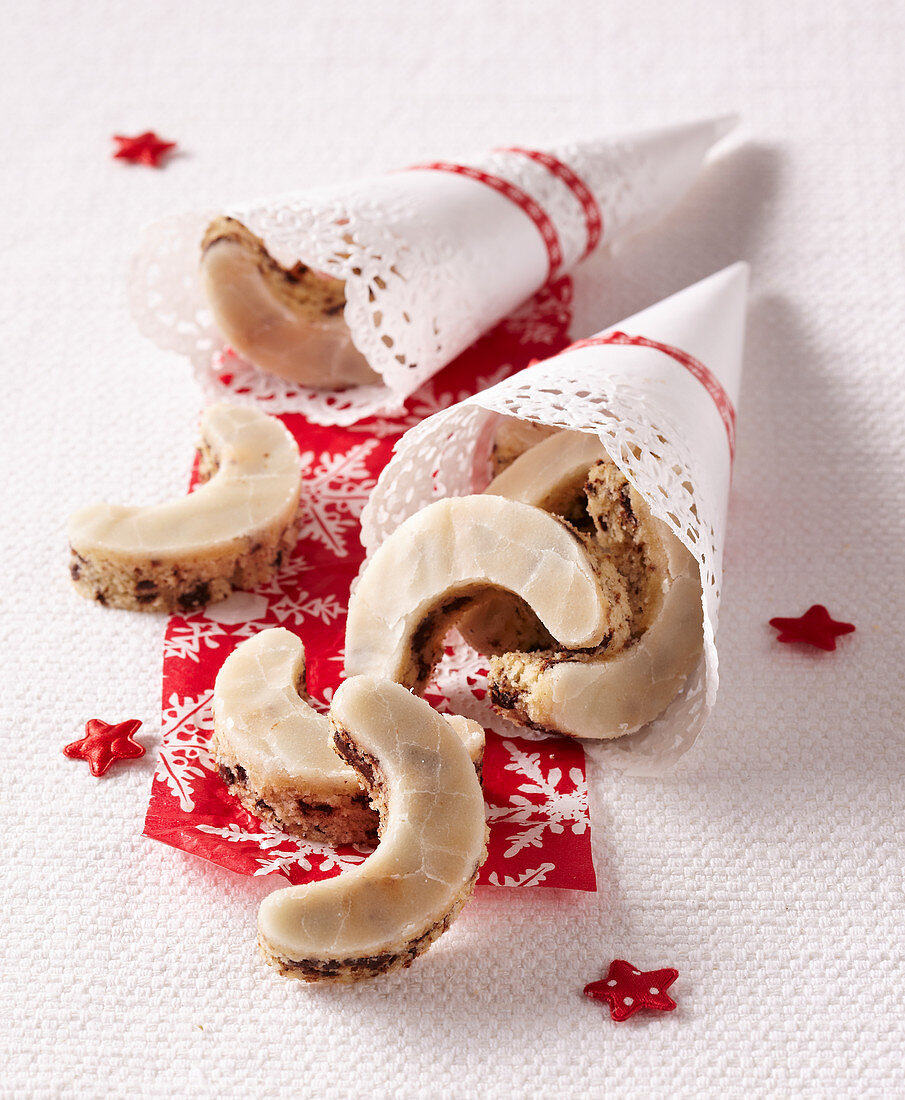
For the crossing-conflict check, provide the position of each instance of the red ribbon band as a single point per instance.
(515, 194)
(694, 366)
(591, 209)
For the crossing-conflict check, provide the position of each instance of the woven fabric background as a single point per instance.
(769, 867)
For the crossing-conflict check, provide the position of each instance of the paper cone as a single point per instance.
(706, 320)
(432, 256)
(660, 390)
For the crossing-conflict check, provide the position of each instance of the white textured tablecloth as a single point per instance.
(768, 868)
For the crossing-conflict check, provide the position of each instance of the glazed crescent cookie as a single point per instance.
(512, 438)
(286, 321)
(427, 572)
(382, 914)
(275, 752)
(597, 693)
(232, 532)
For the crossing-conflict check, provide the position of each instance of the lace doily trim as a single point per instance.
(694, 366)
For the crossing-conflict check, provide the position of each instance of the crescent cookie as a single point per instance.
(512, 438)
(275, 752)
(429, 571)
(382, 914)
(288, 321)
(597, 692)
(232, 532)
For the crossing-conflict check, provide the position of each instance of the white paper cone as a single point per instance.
(432, 256)
(660, 390)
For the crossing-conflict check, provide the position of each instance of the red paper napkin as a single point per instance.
(535, 789)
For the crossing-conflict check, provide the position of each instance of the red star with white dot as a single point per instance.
(815, 627)
(146, 148)
(627, 990)
(104, 743)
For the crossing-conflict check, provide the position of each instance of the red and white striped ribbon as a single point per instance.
(694, 366)
(583, 194)
(515, 194)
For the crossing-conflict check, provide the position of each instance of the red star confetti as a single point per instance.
(628, 990)
(147, 148)
(104, 743)
(815, 627)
